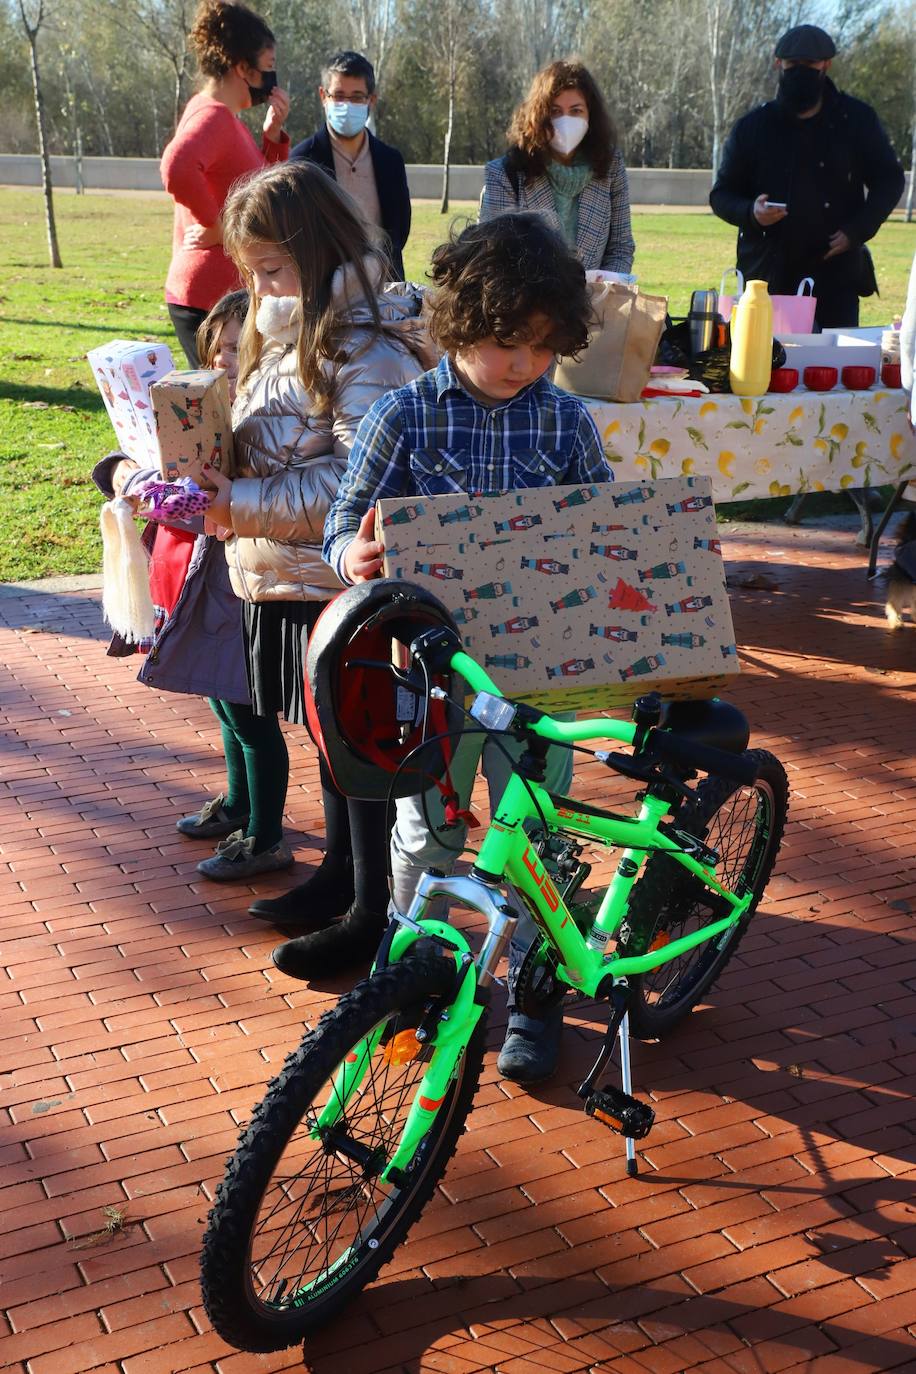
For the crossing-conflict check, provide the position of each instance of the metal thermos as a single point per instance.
(704, 314)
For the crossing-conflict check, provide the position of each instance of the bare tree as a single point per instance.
(544, 30)
(71, 111)
(165, 25)
(452, 47)
(739, 51)
(373, 21)
(32, 21)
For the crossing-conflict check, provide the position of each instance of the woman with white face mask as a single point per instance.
(564, 163)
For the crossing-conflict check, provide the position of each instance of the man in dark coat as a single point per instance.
(372, 171)
(809, 178)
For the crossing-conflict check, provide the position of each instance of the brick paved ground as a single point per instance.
(774, 1224)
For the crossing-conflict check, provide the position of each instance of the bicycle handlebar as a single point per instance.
(684, 753)
(557, 731)
(662, 744)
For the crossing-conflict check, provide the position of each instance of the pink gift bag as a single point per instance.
(791, 314)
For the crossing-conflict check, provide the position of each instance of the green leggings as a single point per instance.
(257, 765)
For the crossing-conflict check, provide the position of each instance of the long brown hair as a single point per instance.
(300, 208)
(530, 131)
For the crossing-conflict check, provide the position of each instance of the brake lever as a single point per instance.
(643, 771)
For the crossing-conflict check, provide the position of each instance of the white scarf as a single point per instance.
(126, 601)
(278, 318)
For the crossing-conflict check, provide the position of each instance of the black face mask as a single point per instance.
(800, 89)
(260, 94)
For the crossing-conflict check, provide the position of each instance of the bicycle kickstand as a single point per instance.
(626, 1082)
(617, 1108)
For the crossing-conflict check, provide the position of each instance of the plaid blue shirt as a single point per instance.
(431, 438)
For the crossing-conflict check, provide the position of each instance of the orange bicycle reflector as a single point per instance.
(402, 1048)
(662, 939)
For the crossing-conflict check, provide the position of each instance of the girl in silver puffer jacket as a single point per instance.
(319, 346)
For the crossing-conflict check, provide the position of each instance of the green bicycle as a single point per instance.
(354, 1133)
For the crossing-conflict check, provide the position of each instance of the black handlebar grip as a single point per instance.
(740, 768)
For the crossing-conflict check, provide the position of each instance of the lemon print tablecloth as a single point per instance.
(773, 445)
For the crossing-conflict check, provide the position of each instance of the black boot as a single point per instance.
(314, 904)
(345, 945)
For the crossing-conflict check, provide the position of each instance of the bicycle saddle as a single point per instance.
(717, 724)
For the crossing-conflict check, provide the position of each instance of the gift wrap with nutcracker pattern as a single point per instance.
(124, 371)
(193, 423)
(772, 445)
(576, 597)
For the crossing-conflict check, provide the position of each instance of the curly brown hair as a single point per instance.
(299, 207)
(225, 33)
(494, 278)
(530, 131)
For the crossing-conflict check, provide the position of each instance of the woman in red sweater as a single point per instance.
(212, 149)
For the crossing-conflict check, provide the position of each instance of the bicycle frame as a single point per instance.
(507, 857)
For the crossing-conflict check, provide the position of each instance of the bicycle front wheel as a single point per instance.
(303, 1219)
(744, 826)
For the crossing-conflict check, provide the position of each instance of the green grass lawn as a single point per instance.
(116, 250)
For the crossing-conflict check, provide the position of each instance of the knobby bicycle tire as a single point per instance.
(237, 1256)
(667, 901)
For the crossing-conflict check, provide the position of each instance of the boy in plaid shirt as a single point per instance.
(510, 297)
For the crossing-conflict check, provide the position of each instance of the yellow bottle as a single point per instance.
(752, 341)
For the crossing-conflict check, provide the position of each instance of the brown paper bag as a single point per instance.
(622, 346)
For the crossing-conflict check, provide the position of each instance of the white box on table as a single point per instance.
(124, 370)
(830, 350)
(866, 333)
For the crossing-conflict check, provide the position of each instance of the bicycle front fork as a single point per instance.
(436, 888)
(616, 1108)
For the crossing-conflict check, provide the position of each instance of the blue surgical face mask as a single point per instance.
(345, 118)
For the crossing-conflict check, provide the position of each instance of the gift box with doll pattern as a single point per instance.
(576, 598)
(193, 424)
(124, 371)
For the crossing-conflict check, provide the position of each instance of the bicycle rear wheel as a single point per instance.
(744, 825)
(302, 1221)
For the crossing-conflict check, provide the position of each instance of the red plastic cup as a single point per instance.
(858, 378)
(890, 374)
(783, 379)
(820, 378)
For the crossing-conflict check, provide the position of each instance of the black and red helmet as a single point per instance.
(368, 720)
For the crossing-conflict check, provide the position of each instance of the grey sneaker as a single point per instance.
(210, 821)
(531, 1048)
(235, 859)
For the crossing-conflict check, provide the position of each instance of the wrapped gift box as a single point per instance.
(193, 423)
(124, 371)
(576, 597)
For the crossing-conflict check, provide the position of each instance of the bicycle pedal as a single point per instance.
(622, 1114)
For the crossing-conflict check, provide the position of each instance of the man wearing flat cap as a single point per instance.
(809, 178)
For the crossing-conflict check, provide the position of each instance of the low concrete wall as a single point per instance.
(648, 185)
(99, 173)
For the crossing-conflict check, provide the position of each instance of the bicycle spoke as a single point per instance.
(317, 1212)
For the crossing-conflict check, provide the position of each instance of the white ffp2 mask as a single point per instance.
(568, 133)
